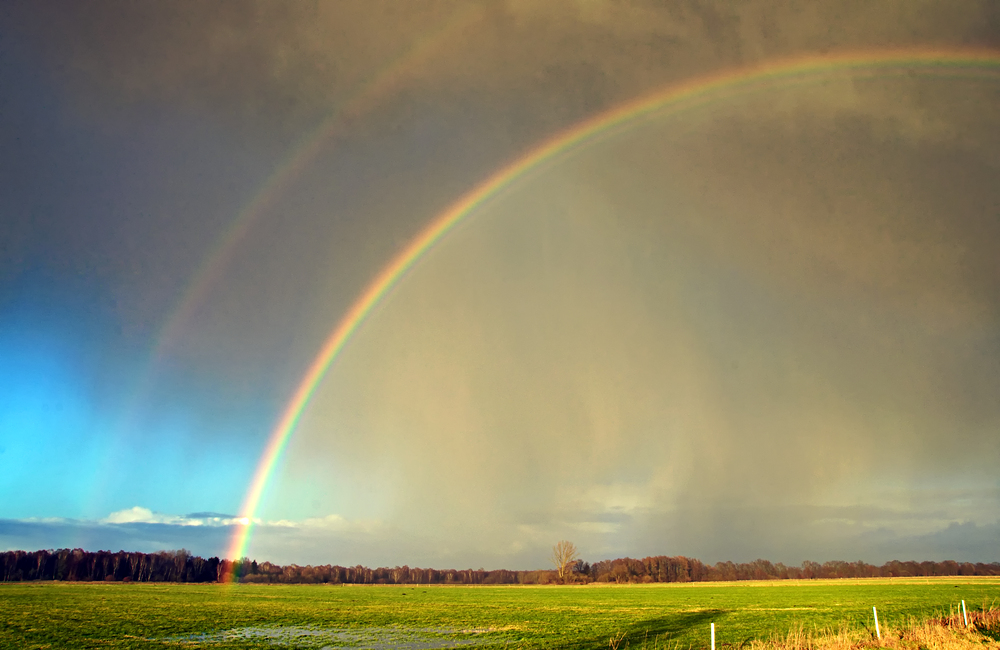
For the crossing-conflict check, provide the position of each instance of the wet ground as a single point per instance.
(372, 638)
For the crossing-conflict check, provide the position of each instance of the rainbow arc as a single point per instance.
(687, 95)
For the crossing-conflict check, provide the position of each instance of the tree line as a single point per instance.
(182, 566)
(80, 565)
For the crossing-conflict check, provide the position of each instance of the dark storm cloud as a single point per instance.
(272, 62)
(772, 326)
(818, 534)
(764, 330)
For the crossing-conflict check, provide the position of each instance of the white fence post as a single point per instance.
(713, 636)
(965, 615)
(877, 631)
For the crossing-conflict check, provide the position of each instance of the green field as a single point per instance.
(115, 615)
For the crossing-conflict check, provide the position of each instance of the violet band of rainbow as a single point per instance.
(686, 94)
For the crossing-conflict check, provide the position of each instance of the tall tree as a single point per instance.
(564, 554)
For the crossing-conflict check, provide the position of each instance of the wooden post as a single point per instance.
(877, 631)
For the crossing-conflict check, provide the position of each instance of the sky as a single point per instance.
(761, 322)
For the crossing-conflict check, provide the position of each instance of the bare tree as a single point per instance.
(564, 554)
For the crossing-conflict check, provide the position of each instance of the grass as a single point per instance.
(786, 615)
(943, 633)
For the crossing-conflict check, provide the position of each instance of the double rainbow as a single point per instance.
(686, 95)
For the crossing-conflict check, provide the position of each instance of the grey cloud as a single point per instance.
(206, 541)
(665, 343)
(209, 515)
(762, 533)
(561, 60)
(962, 540)
(801, 533)
(792, 300)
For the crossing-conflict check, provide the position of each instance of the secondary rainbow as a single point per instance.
(368, 94)
(682, 96)
(376, 87)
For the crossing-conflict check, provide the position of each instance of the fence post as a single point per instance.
(877, 631)
(965, 615)
(713, 636)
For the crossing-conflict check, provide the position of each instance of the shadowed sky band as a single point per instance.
(300, 156)
(684, 95)
(195, 294)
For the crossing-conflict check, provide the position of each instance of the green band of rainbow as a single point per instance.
(688, 94)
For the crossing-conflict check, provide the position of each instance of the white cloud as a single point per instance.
(139, 515)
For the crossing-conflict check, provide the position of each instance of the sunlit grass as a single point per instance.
(786, 615)
(947, 633)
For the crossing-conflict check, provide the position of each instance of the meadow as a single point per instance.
(117, 615)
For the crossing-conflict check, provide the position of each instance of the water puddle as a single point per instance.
(369, 638)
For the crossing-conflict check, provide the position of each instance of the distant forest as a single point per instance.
(181, 566)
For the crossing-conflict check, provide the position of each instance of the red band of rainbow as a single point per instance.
(685, 95)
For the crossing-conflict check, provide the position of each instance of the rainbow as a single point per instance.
(378, 85)
(685, 95)
(365, 97)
